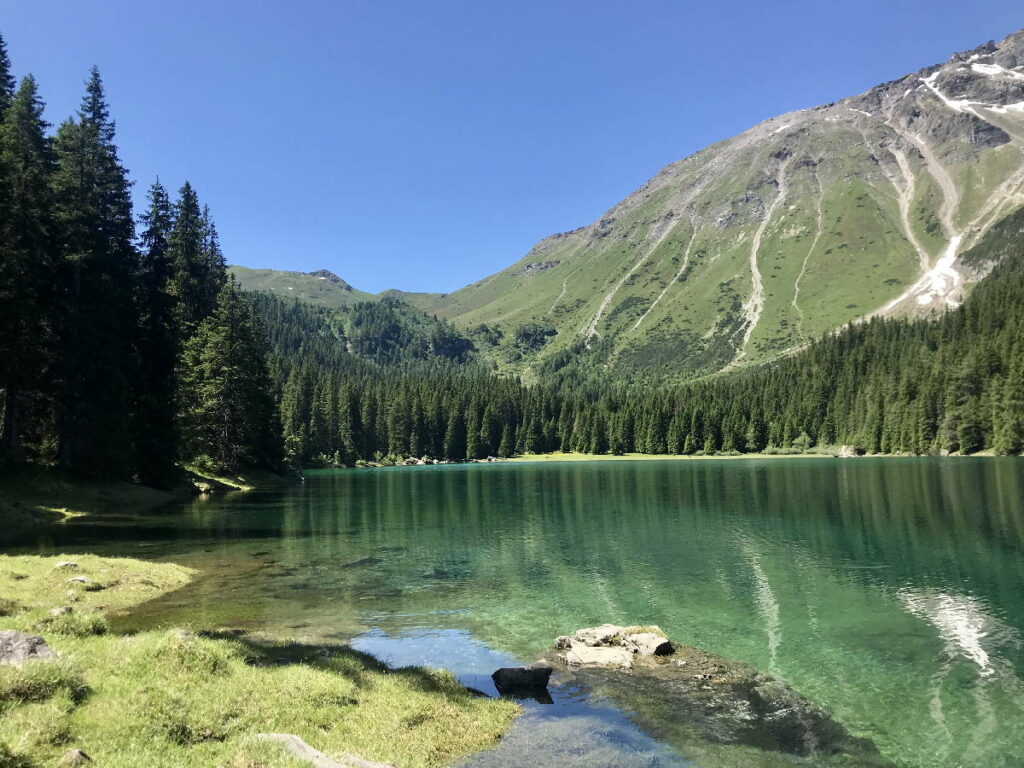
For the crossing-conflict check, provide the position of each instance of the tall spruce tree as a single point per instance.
(26, 268)
(154, 423)
(6, 79)
(96, 228)
(228, 415)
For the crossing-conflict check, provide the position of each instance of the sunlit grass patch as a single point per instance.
(186, 698)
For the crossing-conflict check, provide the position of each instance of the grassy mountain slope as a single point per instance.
(322, 287)
(757, 244)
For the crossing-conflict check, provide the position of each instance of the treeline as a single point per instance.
(125, 350)
(954, 383)
(120, 355)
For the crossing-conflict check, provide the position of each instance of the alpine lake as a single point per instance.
(890, 591)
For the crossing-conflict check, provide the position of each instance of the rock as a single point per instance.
(79, 580)
(18, 647)
(849, 452)
(602, 635)
(648, 644)
(300, 750)
(522, 681)
(75, 757)
(61, 610)
(70, 565)
(699, 697)
(580, 655)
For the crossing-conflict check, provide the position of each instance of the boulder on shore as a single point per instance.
(16, 648)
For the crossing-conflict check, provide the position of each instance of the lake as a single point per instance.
(889, 590)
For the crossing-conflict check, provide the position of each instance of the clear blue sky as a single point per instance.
(423, 145)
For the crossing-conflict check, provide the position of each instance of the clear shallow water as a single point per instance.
(888, 590)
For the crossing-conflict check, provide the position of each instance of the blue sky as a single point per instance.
(424, 145)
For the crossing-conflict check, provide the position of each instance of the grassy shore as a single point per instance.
(30, 498)
(540, 457)
(184, 697)
(33, 497)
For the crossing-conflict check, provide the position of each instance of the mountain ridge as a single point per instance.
(763, 241)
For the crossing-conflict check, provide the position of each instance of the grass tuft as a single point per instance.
(37, 681)
(71, 623)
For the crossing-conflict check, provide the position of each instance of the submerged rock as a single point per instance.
(16, 648)
(523, 682)
(685, 696)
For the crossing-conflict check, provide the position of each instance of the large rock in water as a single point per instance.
(610, 645)
(18, 647)
(685, 696)
(525, 682)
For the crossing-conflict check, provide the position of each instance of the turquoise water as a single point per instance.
(889, 590)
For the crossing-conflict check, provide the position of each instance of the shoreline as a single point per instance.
(203, 696)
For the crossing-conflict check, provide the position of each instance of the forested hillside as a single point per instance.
(954, 383)
(122, 351)
(126, 350)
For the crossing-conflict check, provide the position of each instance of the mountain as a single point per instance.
(321, 287)
(756, 245)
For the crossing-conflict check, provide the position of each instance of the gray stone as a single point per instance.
(580, 655)
(708, 698)
(522, 681)
(79, 580)
(61, 610)
(18, 647)
(647, 644)
(75, 757)
(602, 635)
(300, 750)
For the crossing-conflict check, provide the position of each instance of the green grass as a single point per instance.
(31, 497)
(237, 481)
(184, 697)
(558, 456)
(299, 285)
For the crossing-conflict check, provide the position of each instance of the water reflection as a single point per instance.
(886, 589)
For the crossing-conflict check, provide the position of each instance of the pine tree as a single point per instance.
(26, 265)
(455, 436)
(192, 283)
(227, 409)
(156, 438)
(505, 446)
(6, 79)
(95, 224)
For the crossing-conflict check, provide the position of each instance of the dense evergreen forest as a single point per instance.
(123, 347)
(954, 383)
(125, 350)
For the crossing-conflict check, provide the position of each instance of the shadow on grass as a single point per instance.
(343, 660)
